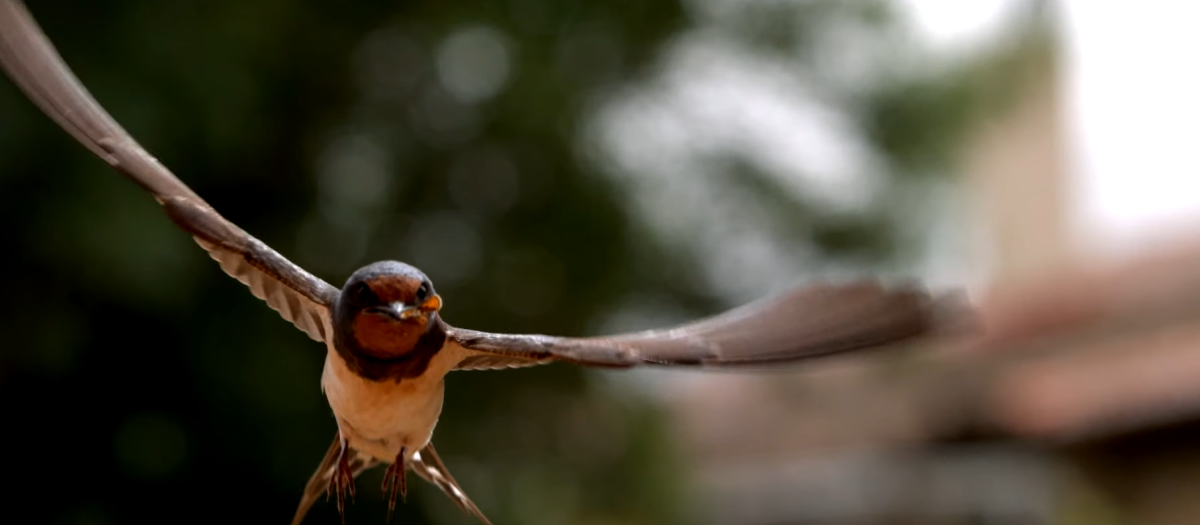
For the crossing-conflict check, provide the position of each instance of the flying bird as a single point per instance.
(388, 348)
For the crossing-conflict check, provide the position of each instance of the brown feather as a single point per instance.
(392, 288)
(384, 338)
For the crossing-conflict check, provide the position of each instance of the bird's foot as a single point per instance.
(396, 479)
(341, 481)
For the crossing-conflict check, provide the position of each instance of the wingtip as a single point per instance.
(948, 312)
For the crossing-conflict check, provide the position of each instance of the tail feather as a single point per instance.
(428, 465)
(317, 484)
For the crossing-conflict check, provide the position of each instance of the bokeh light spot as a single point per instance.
(473, 63)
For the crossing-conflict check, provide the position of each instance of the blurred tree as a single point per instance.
(471, 139)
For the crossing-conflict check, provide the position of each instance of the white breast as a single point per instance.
(381, 417)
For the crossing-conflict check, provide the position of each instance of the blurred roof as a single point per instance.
(1086, 351)
(1096, 349)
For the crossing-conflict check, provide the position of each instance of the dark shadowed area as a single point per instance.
(566, 167)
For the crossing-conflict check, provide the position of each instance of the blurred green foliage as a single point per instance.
(142, 385)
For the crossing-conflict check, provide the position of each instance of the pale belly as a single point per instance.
(382, 417)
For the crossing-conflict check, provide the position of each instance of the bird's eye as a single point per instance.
(423, 292)
(363, 293)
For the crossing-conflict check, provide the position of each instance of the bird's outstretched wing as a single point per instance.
(31, 61)
(802, 323)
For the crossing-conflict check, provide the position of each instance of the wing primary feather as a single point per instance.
(803, 323)
(35, 66)
(30, 60)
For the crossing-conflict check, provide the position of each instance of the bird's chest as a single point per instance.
(380, 417)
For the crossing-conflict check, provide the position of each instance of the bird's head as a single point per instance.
(386, 307)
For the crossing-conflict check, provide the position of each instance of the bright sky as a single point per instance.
(1130, 102)
(1135, 104)
(1133, 107)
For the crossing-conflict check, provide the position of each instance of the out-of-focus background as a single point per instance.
(576, 168)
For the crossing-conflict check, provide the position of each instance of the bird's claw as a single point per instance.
(341, 480)
(396, 479)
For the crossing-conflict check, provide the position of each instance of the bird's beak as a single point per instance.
(403, 311)
(400, 311)
(396, 310)
(431, 304)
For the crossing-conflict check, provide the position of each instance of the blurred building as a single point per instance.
(1080, 406)
(859, 440)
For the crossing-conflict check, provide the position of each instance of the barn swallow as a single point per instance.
(388, 348)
